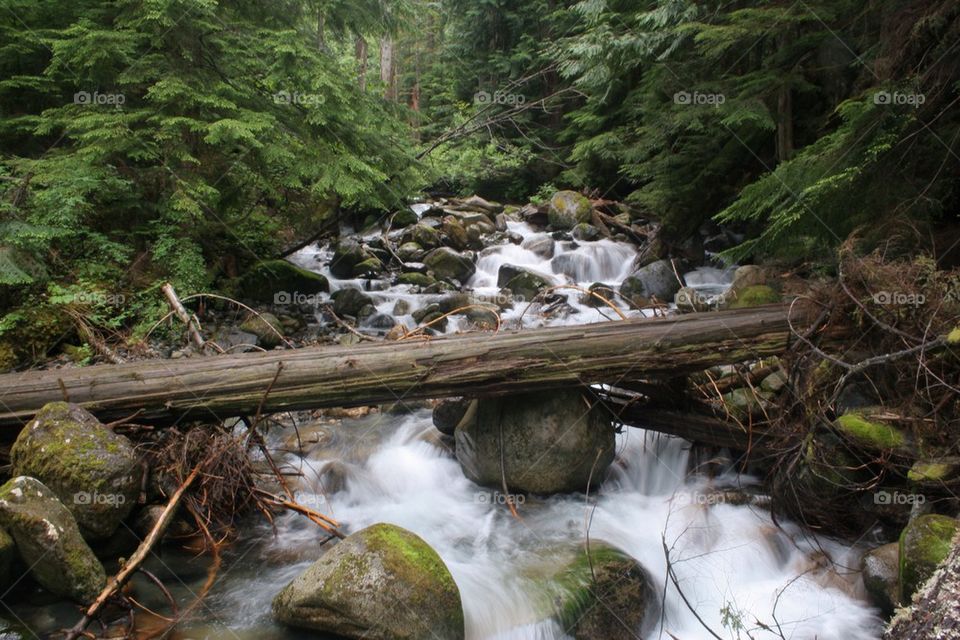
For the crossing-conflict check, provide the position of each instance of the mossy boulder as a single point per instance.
(267, 327)
(754, 296)
(567, 208)
(456, 233)
(95, 472)
(447, 264)
(424, 235)
(934, 472)
(569, 447)
(924, 543)
(380, 583)
(860, 426)
(585, 232)
(415, 279)
(347, 255)
(605, 595)
(410, 252)
(523, 283)
(368, 268)
(268, 281)
(403, 218)
(880, 569)
(8, 556)
(350, 302)
(49, 541)
(656, 279)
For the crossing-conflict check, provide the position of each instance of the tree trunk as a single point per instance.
(361, 51)
(935, 613)
(372, 373)
(387, 73)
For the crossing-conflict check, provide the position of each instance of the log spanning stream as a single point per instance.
(744, 576)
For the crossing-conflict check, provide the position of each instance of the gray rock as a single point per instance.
(380, 583)
(880, 569)
(92, 470)
(422, 234)
(542, 246)
(656, 279)
(521, 281)
(268, 281)
(447, 414)
(448, 264)
(380, 321)
(567, 208)
(49, 541)
(350, 302)
(266, 327)
(586, 232)
(347, 254)
(556, 457)
(410, 252)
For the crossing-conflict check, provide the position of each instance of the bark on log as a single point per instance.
(935, 612)
(364, 374)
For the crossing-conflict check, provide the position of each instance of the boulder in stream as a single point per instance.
(924, 543)
(447, 264)
(92, 470)
(268, 281)
(656, 279)
(350, 302)
(567, 208)
(382, 582)
(49, 540)
(522, 282)
(449, 413)
(572, 445)
(605, 596)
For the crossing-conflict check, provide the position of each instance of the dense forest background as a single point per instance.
(145, 141)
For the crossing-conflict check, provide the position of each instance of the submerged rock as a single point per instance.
(567, 208)
(880, 569)
(92, 470)
(605, 596)
(49, 541)
(570, 445)
(924, 543)
(382, 582)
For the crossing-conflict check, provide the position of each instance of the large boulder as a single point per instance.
(656, 279)
(49, 541)
(350, 301)
(93, 471)
(605, 596)
(347, 255)
(522, 282)
(567, 208)
(380, 583)
(924, 543)
(880, 568)
(569, 445)
(447, 264)
(277, 281)
(424, 235)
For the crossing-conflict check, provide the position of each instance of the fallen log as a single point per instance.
(364, 374)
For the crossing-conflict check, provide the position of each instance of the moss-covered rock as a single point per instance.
(754, 296)
(585, 232)
(880, 569)
(350, 302)
(924, 543)
(522, 282)
(266, 282)
(92, 470)
(567, 208)
(49, 541)
(873, 434)
(456, 233)
(447, 264)
(604, 596)
(368, 268)
(8, 555)
(410, 252)
(415, 279)
(346, 256)
(267, 327)
(403, 218)
(569, 448)
(382, 582)
(423, 235)
(935, 471)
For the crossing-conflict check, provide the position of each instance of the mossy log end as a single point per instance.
(371, 373)
(934, 613)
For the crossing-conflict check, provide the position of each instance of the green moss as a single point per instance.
(755, 296)
(416, 279)
(924, 543)
(932, 471)
(419, 556)
(869, 433)
(954, 336)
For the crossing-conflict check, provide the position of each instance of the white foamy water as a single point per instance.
(726, 558)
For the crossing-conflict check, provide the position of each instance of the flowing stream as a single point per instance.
(743, 575)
